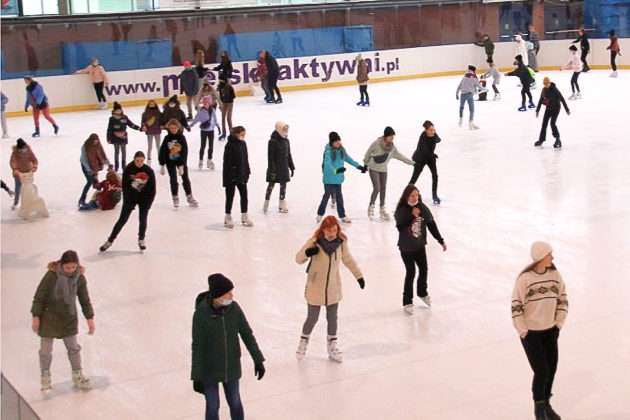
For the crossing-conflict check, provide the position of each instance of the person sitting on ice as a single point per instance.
(109, 192)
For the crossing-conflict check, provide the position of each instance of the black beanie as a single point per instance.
(117, 106)
(173, 99)
(519, 58)
(21, 144)
(472, 68)
(219, 285)
(333, 137)
(389, 132)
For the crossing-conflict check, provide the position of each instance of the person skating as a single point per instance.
(333, 168)
(138, 189)
(488, 46)
(117, 134)
(172, 110)
(216, 357)
(227, 95)
(576, 65)
(551, 98)
(7, 189)
(326, 250)
(173, 157)
(614, 51)
(235, 175)
(206, 117)
(150, 125)
(280, 167)
(262, 74)
(526, 79)
(496, 78)
(98, 76)
(3, 116)
(273, 72)
(200, 61)
(425, 155)
(362, 80)
(108, 192)
(468, 86)
(36, 98)
(55, 316)
(22, 160)
(377, 158)
(190, 85)
(585, 47)
(93, 160)
(205, 90)
(224, 68)
(412, 220)
(539, 309)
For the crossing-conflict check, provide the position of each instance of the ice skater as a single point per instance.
(273, 72)
(468, 86)
(190, 85)
(117, 134)
(539, 309)
(280, 167)
(98, 76)
(235, 175)
(526, 79)
(325, 251)
(425, 155)
(576, 65)
(362, 80)
(173, 157)
(109, 192)
(138, 189)
(171, 110)
(585, 46)
(335, 156)
(150, 125)
(487, 45)
(227, 95)
(93, 160)
(224, 68)
(521, 48)
(412, 220)
(551, 98)
(206, 117)
(207, 89)
(216, 353)
(377, 158)
(36, 98)
(614, 51)
(3, 116)
(22, 160)
(55, 316)
(496, 78)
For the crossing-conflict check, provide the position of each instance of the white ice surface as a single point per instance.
(460, 360)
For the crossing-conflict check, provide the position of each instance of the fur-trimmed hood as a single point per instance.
(52, 266)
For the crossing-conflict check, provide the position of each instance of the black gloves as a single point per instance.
(361, 283)
(259, 370)
(198, 386)
(363, 169)
(340, 170)
(312, 251)
(435, 156)
(292, 172)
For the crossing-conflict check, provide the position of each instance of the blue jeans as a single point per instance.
(330, 189)
(90, 181)
(232, 395)
(18, 187)
(463, 98)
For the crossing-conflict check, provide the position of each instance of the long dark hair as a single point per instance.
(225, 57)
(405, 195)
(531, 266)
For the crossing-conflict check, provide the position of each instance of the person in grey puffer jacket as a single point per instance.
(190, 85)
(468, 86)
(376, 159)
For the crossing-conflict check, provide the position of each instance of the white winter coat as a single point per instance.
(521, 48)
(574, 62)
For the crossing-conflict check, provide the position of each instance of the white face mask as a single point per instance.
(226, 302)
(412, 204)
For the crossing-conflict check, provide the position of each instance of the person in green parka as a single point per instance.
(55, 315)
(216, 350)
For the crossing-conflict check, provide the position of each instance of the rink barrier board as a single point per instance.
(402, 64)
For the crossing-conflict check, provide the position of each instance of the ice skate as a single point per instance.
(105, 246)
(557, 144)
(301, 350)
(36, 133)
(14, 206)
(210, 164)
(522, 108)
(586, 68)
(371, 211)
(408, 309)
(191, 201)
(384, 214)
(360, 103)
(282, 207)
(319, 218)
(334, 353)
(551, 412)
(538, 143)
(5, 136)
(142, 244)
(103, 105)
(459, 123)
(200, 166)
(228, 223)
(246, 221)
(333, 202)
(497, 97)
(46, 386)
(573, 96)
(266, 206)
(531, 105)
(175, 201)
(56, 129)
(149, 162)
(540, 411)
(472, 126)
(222, 137)
(79, 381)
(613, 74)
(279, 100)
(346, 219)
(436, 200)
(426, 300)
(578, 96)
(366, 103)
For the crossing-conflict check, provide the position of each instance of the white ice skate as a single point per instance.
(459, 122)
(210, 164)
(46, 386)
(333, 203)
(191, 201)
(282, 207)
(408, 309)
(200, 166)
(497, 97)
(246, 221)
(346, 219)
(578, 96)
(142, 244)
(103, 105)
(472, 126)
(371, 211)
(301, 350)
(228, 223)
(319, 218)
(334, 353)
(426, 300)
(79, 381)
(149, 162)
(613, 74)
(384, 214)
(573, 96)
(266, 206)
(175, 201)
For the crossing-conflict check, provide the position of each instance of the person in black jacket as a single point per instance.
(173, 157)
(487, 44)
(235, 175)
(280, 167)
(117, 134)
(585, 46)
(425, 155)
(138, 188)
(273, 72)
(225, 68)
(227, 95)
(526, 80)
(190, 85)
(412, 220)
(172, 111)
(551, 98)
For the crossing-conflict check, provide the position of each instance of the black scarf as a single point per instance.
(329, 246)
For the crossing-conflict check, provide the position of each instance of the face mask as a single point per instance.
(412, 203)
(171, 104)
(226, 302)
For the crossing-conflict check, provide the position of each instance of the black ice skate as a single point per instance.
(538, 143)
(557, 144)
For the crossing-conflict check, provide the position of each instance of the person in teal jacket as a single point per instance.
(216, 350)
(333, 167)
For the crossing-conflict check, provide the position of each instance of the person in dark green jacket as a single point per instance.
(55, 315)
(216, 350)
(487, 44)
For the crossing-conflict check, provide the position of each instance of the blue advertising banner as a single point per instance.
(9, 7)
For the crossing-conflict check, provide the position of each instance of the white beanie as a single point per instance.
(282, 129)
(540, 250)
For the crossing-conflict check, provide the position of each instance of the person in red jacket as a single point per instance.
(109, 192)
(614, 51)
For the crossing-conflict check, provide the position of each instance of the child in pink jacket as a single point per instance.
(98, 76)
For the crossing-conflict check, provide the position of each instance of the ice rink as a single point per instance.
(461, 359)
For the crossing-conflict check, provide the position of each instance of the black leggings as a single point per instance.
(613, 58)
(525, 91)
(417, 170)
(98, 88)
(209, 137)
(230, 191)
(551, 115)
(172, 174)
(583, 59)
(125, 212)
(541, 348)
(364, 94)
(494, 87)
(283, 190)
(411, 260)
(574, 83)
(273, 86)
